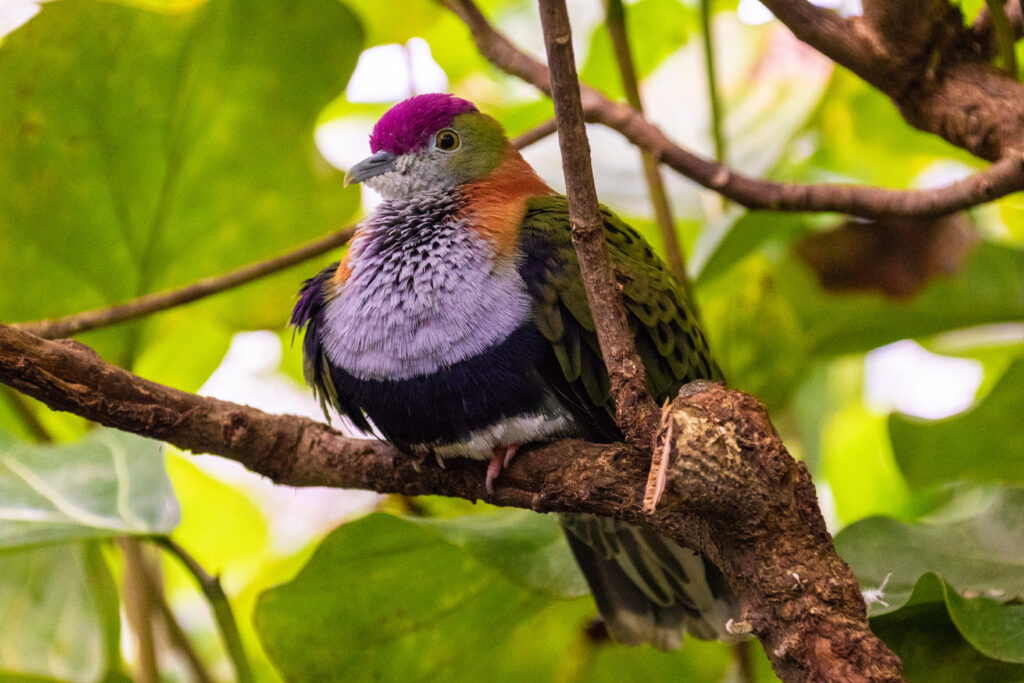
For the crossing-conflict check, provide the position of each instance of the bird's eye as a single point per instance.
(446, 140)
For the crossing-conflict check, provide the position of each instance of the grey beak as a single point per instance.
(381, 162)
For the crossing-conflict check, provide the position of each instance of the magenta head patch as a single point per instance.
(408, 125)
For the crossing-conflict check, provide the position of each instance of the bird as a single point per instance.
(456, 324)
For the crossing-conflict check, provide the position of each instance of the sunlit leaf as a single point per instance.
(52, 617)
(143, 150)
(528, 548)
(108, 484)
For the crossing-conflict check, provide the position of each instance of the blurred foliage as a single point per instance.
(147, 143)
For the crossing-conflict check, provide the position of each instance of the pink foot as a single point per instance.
(500, 460)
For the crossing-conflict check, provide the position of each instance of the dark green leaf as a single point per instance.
(983, 444)
(528, 548)
(974, 564)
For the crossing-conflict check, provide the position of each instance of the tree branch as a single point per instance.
(635, 411)
(161, 301)
(533, 135)
(733, 492)
(1000, 179)
(922, 57)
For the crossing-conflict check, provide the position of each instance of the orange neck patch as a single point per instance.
(496, 204)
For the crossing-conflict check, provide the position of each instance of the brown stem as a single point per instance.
(138, 607)
(534, 134)
(161, 301)
(1000, 179)
(635, 411)
(219, 604)
(615, 21)
(732, 492)
(175, 633)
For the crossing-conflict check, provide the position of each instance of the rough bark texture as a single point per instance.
(733, 492)
(635, 411)
(922, 56)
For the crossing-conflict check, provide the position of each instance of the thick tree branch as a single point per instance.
(732, 491)
(1000, 179)
(922, 57)
(635, 411)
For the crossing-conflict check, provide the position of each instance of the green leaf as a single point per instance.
(143, 150)
(108, 484)
(240, 539)
(52, 620)
(983, 444)
(526, 547)
(931, 648)
(385, 598)
(751, 231)
(975, 565)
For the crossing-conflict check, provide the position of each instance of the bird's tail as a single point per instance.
(649, 589)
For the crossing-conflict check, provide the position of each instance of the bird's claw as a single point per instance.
(502, 457)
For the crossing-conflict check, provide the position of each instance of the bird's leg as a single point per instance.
(500, 460)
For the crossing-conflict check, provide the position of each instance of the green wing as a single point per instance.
(672, 346)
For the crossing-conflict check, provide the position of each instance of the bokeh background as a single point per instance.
(145, 144)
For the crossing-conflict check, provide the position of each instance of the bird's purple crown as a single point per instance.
(408, 125)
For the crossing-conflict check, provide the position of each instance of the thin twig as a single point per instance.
(615, 21)
(635, 411)
(533, 135)
(711, 71)
(1000, 179)
(214, 592)
(175, 633)
(1005, 37)
(139, 609)
(161, 301)
(20, 404)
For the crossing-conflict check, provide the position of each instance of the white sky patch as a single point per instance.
(389, 73)
(905, 377)
(14, 14)
(249, 375)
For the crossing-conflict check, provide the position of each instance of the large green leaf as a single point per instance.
(386, 598)
(975, 565)
(108, 484)
(931, 648)
(58, 614)
(143, 150)
(983, 444)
